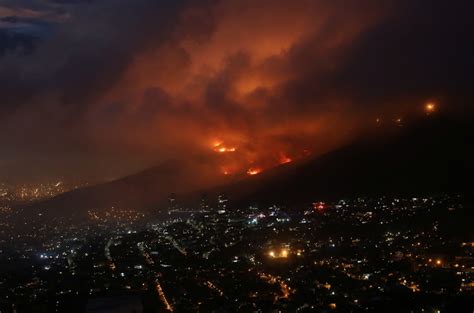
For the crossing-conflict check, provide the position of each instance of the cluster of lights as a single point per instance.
(437, 261)
(282, 254)
(162, 296)
(319, 206)
(284, 288)
(115, 214)
(429, 108)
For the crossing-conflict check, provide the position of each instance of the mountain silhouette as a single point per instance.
(431, 155)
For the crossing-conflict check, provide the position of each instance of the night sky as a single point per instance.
(99, 89)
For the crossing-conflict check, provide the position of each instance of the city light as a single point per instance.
(290, 256)
(236, 156)
(319, 206)
(284, 253)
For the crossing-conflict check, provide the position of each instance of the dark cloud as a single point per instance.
(424, 49)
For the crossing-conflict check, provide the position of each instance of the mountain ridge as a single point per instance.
(432, 155)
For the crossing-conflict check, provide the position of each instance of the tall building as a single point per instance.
(204, 203)
(222, 203)
(172, 205)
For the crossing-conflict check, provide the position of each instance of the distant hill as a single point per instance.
(431, 155)
(138, 191)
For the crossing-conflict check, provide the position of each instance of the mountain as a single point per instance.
(430, 155)
(139, 191)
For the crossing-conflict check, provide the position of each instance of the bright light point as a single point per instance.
(272, 254)
(430, 107)
(438, 262)
(284, 253)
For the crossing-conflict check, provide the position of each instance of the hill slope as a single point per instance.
(137, 191)
(434, 155)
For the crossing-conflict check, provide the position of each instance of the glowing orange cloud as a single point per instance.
(225, 84)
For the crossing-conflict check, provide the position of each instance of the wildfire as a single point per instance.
(238, 159)
(254, 171)
(284, 159)
(225, 149)
(221, 148)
